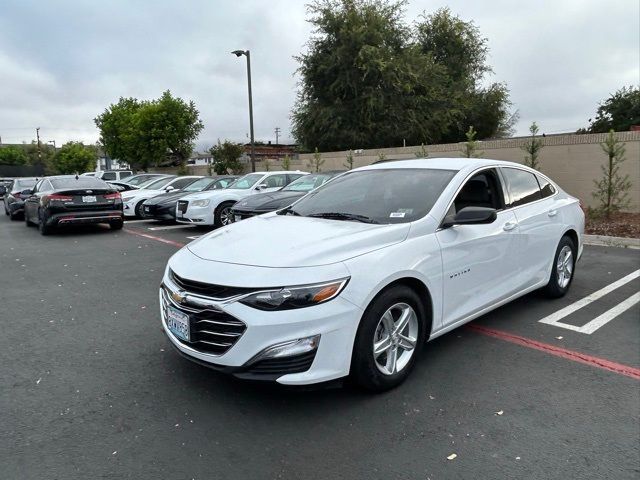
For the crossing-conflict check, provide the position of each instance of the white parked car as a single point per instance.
(132, 200)
(110, 175)
(356, 276)
(213, 207)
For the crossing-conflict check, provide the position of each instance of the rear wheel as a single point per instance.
(222, 214)
(391, 332)
(13, 215)
(116, 225)
(42, 223)
(563, 268)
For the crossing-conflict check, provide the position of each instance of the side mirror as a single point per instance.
(169, 189)
(27, 192)
(471, 216)
(262, 186)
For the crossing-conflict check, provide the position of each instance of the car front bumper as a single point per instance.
(159, 212)
(196, 215)
(335, 322)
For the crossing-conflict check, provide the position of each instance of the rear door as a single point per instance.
(538, 224)
(479, 261)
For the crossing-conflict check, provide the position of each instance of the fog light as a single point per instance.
(288, 349)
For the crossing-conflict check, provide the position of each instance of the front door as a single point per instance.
(479, 261)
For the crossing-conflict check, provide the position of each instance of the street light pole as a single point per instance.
(247, 54)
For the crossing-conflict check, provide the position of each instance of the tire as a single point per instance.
(6, 210)
(221, 214)
(116, 225)
(27, 222)
(42, 224)
(372, 372)
(564, 265)
(138, 209)
(13, 216)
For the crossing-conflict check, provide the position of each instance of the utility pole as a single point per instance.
(38, 137)
(277, 134)
(247, 54)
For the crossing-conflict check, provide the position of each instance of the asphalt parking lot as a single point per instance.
(92, 389)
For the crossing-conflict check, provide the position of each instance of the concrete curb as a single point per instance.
(605, 241)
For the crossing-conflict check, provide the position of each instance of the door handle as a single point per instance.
(553, 212)
(509, 226)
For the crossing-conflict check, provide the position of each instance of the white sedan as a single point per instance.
(213, 208)
(356, 276)
(132, 200)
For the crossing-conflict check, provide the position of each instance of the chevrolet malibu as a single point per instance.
(355, 277)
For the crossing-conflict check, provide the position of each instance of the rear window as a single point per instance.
(109, 176)
(125, 174)
(80, 182)
(24, 183)
(546, 187)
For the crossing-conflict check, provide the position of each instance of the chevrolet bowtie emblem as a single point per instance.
(178, 297)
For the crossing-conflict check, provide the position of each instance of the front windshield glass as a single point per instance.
(156, 184)
(139, 179)
(376, 196)
(246, 182)
(307, 183)
(198, 185)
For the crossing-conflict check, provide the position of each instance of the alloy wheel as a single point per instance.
(225, 216)
(395, 339)
(564, 266)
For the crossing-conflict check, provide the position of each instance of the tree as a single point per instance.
(150, 133)
(286, 162)
(370, 80)
(12, 155)
(618, 112)
(316, 161)
(349, 164)
(470, 147)
(118, 133)
(226, 155)
(41, 157)
(422, 152)
(612, 190)
(532, 148)
(74, 157)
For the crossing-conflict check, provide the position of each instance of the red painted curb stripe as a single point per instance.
(597, 362)
(152, 237)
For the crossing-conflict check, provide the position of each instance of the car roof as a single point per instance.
(451, 163)
(279, 171)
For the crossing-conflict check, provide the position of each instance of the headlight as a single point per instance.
(200, 203)
(288, 298)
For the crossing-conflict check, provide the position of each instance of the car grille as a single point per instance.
(211, 331)
(183, 205)
(207, 289)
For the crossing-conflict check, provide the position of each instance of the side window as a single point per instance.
(481, 190)
(108, 176)
(182, 182)
(523, 186)
(125, 174)
(46, 186)
(38, 186)
(275, 181)
(292, 177)
(545, 187)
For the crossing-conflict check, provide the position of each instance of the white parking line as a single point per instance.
(595, 324)
(170, 227)
(194, 237)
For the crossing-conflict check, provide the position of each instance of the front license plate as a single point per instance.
(178, 323)
(89, 198)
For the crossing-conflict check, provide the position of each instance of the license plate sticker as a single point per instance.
(178, 323)
(89, 198)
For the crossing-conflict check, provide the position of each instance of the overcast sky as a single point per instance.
(63, 62)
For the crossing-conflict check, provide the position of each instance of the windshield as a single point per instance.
(139, 179)
(307, 183)
(198, 185)
(24, 183)
(246, 182)
(156, 184)
(376, 196)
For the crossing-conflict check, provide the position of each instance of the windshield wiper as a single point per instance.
(343, 216)
(288, 211)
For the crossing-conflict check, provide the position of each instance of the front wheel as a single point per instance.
(562, 270)
(138, 209)
(222, 214)
(390, 335)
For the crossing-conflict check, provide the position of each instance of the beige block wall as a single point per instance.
(573, 161)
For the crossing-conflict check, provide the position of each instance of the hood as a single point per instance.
(166, 197)
(227, 193)
(271, 200)
(281, 241)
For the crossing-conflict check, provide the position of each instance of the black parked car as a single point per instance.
(268, 202)
(13, 199)
(69, 200)
(163, 207)
(122, 186)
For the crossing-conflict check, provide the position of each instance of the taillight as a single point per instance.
(59, 197)
(112, 196)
